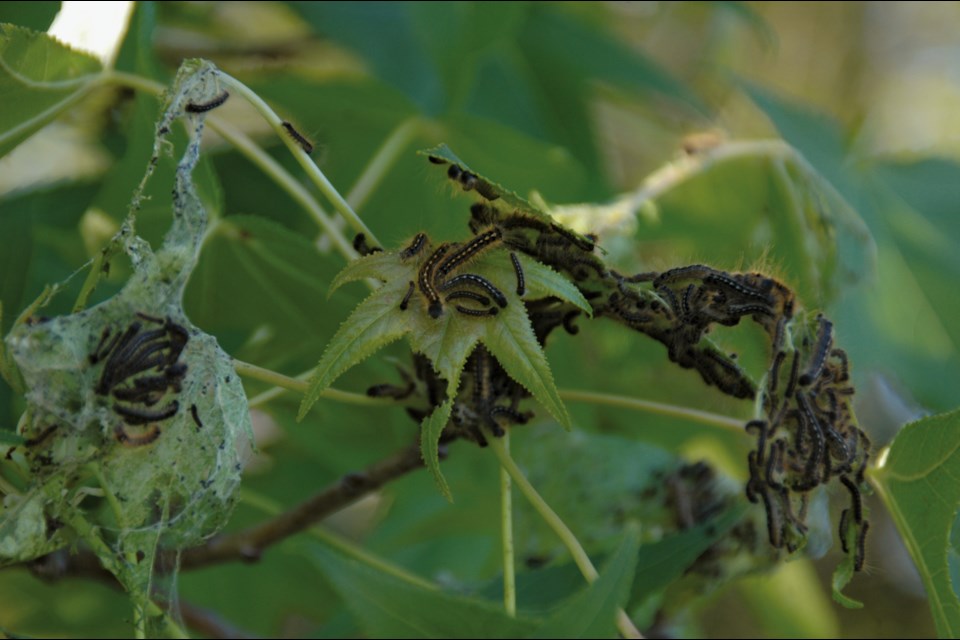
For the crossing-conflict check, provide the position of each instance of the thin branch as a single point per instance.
(249, 544)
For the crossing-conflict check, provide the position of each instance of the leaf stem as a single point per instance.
(300, 386)
(266, 163)
(506, 536)
(313, 171)
(580, 557)
(623, 402)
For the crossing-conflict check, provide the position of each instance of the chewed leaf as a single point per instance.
(842, 576)
(374, 324)
(430, 431)
(445, 331)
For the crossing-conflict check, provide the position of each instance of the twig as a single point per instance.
(313, 172)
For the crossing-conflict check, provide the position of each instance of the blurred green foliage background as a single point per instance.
(584, 103)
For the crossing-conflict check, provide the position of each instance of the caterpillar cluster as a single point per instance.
(440, 281)
(807, 435)
(141, 368)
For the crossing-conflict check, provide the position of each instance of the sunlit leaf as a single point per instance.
(917, 480)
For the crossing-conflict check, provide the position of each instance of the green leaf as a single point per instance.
(513, 343)
(372, 266)
(34, 226)
(541, 281)
(917, 481)
(386, 35)
(592, 612)
(261, 289)
(40, 79)
(447, 340)
(566, 57)
(588, 54)
(36, 15)
(386, 607)
(661, 563)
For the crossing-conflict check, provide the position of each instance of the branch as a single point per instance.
(248, 545)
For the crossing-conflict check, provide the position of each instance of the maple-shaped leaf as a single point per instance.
(447, 331)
